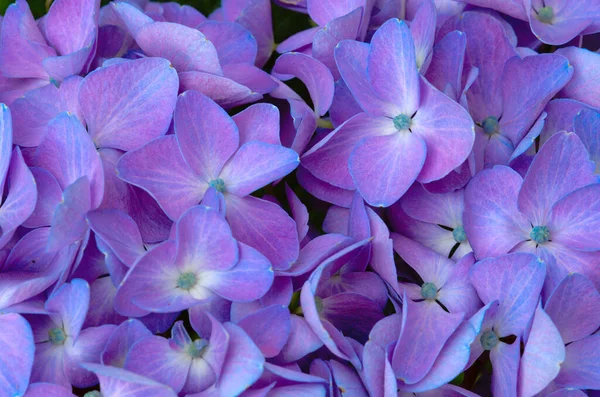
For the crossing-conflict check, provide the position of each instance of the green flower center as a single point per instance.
(490, 125)
(93, 393)
(197, 348)
(429, 291)
(459, 234)
(540, 234)
(57, 336)
(402, 122)
(545, 15)
(218, 184)
(187, 281)
(489, 340)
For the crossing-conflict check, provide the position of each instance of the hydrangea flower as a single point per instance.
(398, 138)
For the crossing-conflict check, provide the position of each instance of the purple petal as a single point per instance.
(346, 27)
(68, 153)
(351, 58)
(259, 223)
(544, 353)
(574, 216)
(49, 195)
(233, 43)
(515, 280)
(561, 166)
(269, 329)
(187, 49)
(196, 118)
(384, 167)
(152, 357)
(243, 364)
(422, 29)
(582, 363)
(505, 361)
(255, 165)
(47, 390)
(585, 125)
(20, 199)
(392, 67)
(16, 343)
(327, 159)
(299, 213)
(114, 381)
(488, 49)
(22, 43)
(324, 11)
(116, 101)
(548, 73)
(204, 241)
(446, 67)
(585, 65)
(323, 190)
(6, 141)
(440, 209)
(159, 168)
(87, 349)
(301, 341)
(130, 17)
(259, 122)
(68, 222)
(119, 232)
(71, 303)
(492, 221)
(224, 91)
(567, 22)
(574, 307)
(442, 124)
(248, 280)
(71, 25)
(314, 74)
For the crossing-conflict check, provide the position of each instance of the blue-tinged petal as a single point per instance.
(582, 364)
(117, 381)
(312, 73)
(515, 280)
(546, 74)
(561, 166)
(543, 355)
(16, 344)
(43, 389)
(197, 120)
(269, 328)
(121, 340)
(119, 231)
(68, 223)
(384, 167)
(255, 165)
(428, 328)
(259, 224)
(582, 86)
(130, 17)
(446, 67)
(505, 363)
(234, 44)
(243, 364)
(351, 58)
(422, 29)
(447, 130)
(586, 125)
(223, 90)
(392, 67)
(574, 307)
(71, 25)
(159, 168)
(68, 153)
(6, 141)
(152, 357)
(514, 8)
(327, 10)
(492, 220)
(49, 195)
(259, 122)
(129, 104)
(70, 302)
(21, 198)
(204, 241)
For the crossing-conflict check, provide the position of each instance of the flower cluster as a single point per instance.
(418, 216)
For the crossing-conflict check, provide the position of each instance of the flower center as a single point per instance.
(93, 393)
(429, 291)
(459, 234)
(196, 349)
(218, 184)
(540, 234)
(545, 15)
(57, 336)
(402, 122)
(490, 125)
(187, 281)
(489, 340)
